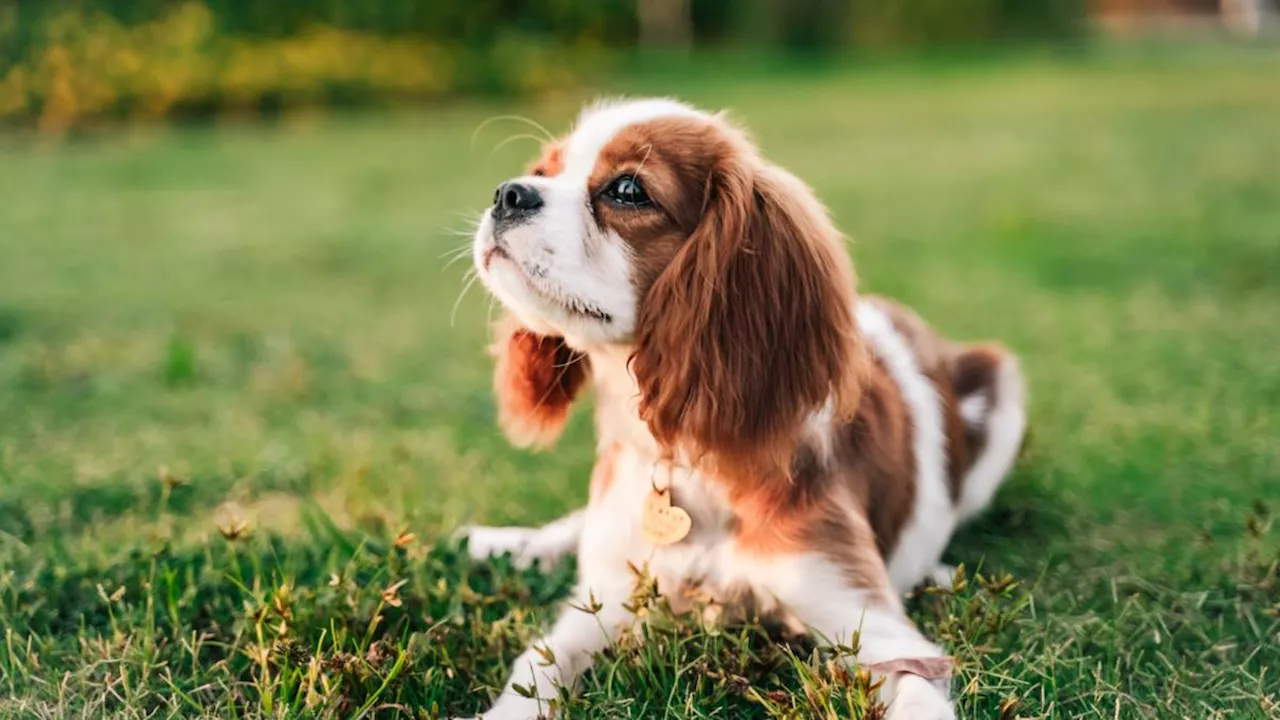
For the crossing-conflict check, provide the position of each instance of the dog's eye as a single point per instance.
(627, 190)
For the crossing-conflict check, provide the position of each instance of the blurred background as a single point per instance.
(244, 395)
(73, 63)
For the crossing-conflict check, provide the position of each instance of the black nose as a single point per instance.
(513, 198)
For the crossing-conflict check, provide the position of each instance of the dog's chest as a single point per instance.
(703, 566)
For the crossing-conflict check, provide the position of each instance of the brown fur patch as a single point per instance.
(851, 509)
(836, 527)
(552, 161)
(844, 533)
(974, 371)
(937, 358)
(536, 380)
(746, 324)
(930, 349)
(764, 529)
(672, 159)
(875, 457)
(958, 456)
(874, 464)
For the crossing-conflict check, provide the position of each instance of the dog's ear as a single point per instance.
(535, 381)
(750, 328)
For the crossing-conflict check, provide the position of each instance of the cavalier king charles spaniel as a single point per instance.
(767, 438)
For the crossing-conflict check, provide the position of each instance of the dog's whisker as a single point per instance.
(469, 216)
(577, 358)
(488, 317)
(455, 232)
(647, 150)
(464, 247)
(470, 279)
(546, 134)
(512, 138)
(459, 250)
(465, 255)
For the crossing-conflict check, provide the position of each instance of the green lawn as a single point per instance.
(252, 332)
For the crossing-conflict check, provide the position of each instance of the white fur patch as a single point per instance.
(1005, 423)
(973, 410)
(548, 544)
(601, 122)
(819, 596)
(914, 698)
(932, 520)
(816, 594)
(820, 427)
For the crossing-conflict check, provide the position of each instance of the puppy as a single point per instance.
(765, 435)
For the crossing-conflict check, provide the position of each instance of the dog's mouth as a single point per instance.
(579, 307)
(535, 279)
(497, 250)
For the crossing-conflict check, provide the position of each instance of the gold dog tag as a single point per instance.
(662, 523)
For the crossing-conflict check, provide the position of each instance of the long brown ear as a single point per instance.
(751, 327)
(535, 381)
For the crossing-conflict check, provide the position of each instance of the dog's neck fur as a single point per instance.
(618, 421)
(617, 411)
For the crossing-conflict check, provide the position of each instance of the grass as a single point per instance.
(241, 412)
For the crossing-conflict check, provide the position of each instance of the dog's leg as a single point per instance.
(549, 543)
(822, 597)
(586, 627)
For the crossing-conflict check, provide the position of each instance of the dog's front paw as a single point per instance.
(916, 698)
(486, 542)
(525, 545)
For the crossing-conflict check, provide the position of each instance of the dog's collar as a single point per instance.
(672, 467)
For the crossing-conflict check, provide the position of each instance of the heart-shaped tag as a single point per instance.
(662, 523)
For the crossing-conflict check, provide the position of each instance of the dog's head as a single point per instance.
(658, 227)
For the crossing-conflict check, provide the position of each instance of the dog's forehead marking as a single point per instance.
(601, 123)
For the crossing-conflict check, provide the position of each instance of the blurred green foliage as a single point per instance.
(895, 22)
(66, 63)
